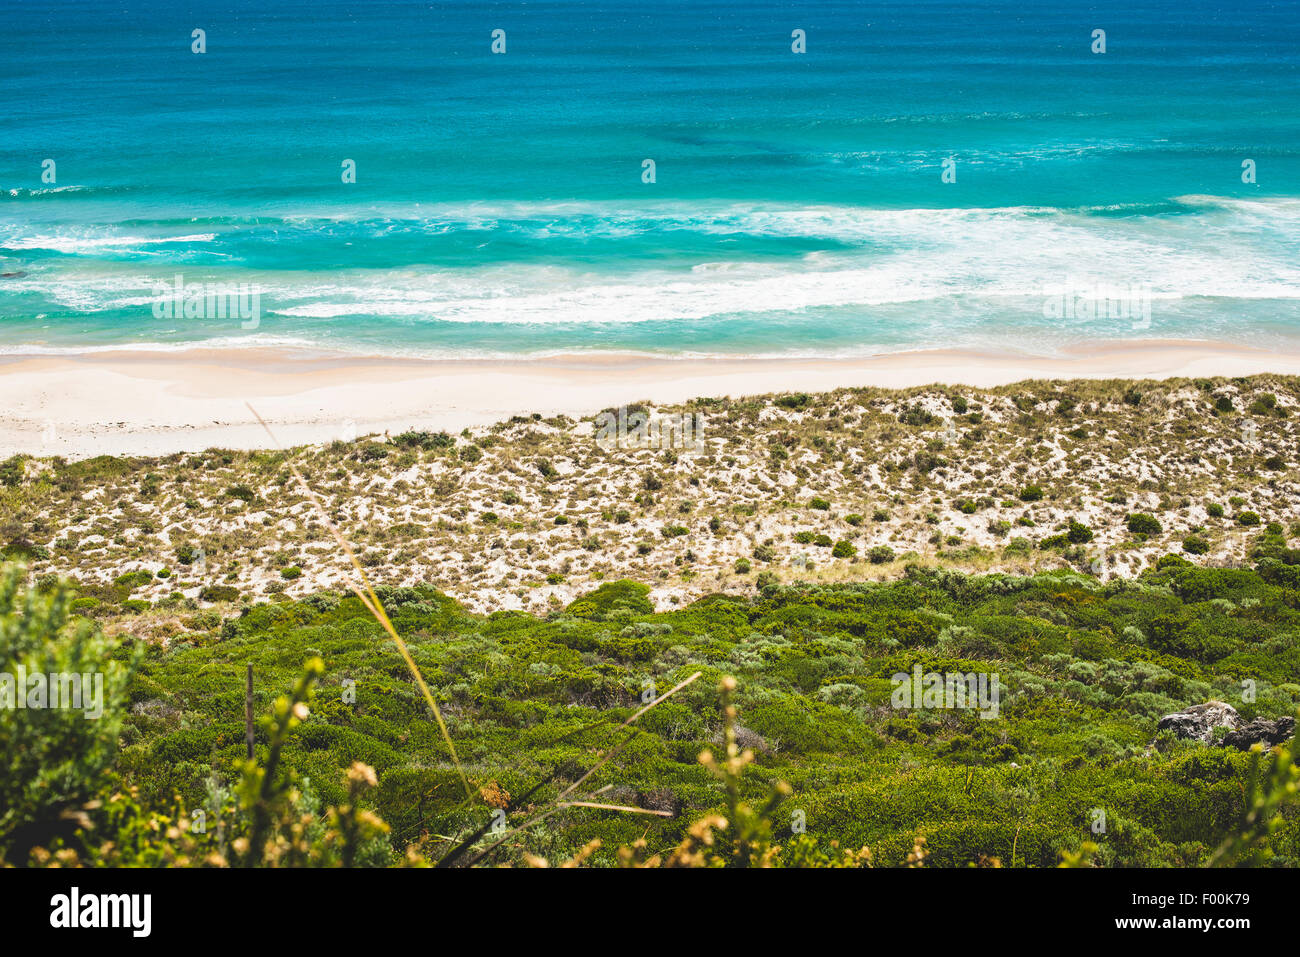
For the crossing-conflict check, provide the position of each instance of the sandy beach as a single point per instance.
(152, 403)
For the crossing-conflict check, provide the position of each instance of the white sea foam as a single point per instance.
(914, 256)
(969, 263)
(46, 190)
(78, 244)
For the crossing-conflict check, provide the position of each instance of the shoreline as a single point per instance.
(158, 403)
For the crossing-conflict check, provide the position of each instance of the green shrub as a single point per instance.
(241, 492)
(1265, 404)
(12, 471)
(1078, 533)
(53, 759)
(22, 550)
(610, 598)
(915, 415)
(423, 440)
(1139, 523)
(219, 593)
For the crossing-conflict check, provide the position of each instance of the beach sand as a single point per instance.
(152, 403)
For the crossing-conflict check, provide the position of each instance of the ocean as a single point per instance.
(927, 174)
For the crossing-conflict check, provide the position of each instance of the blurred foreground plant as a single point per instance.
(270, 824)
(1268, 796)
(53, 760)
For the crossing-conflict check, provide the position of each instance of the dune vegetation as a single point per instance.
(528, 514)
(792, 694)
(582, 655)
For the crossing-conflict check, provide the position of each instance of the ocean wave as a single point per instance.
(298, 347)
(24, 193)
(997, 260)
(69, 191)
(79, 244)
(1277, 208)
(1025, 342)
(542, 222)
(251, 341)
(854, 257)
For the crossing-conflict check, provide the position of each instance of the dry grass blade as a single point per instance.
(513, 831)
(605, 760)
(616, 807)
(372, 604)
(560, 799)
(366, 594)
(474, 836)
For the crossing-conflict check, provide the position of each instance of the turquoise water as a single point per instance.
(798, 207)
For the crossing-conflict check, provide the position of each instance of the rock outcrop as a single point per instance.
(1260, 731)
(1199, 722)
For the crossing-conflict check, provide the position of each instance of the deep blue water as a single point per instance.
(798, 206)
